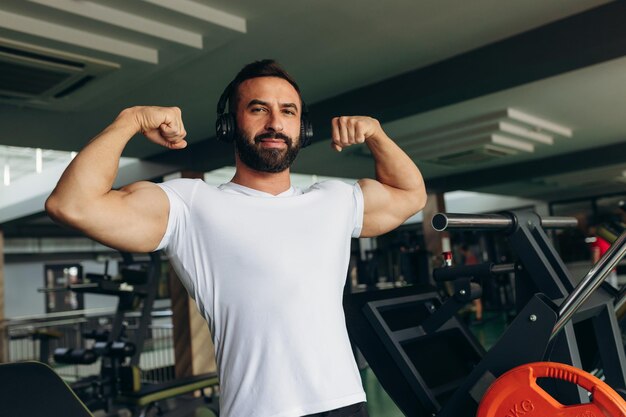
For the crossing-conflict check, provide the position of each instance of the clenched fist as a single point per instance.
(350, 130)
(162, 125)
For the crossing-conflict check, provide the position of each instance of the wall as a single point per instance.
(23, 279)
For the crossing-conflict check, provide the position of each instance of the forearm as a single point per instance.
(92, 173)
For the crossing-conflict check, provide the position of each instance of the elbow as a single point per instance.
(61, 211)
(52, 207)
(419, 200)
(423, 199)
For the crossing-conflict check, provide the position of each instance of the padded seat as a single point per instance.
(33, 389)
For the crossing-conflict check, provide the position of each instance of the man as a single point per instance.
(266, 263)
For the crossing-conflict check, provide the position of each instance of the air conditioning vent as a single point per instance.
(40, 57)
(73, 87)
(27, 81)
(37, 74)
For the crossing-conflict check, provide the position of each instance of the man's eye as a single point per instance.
(257, 109)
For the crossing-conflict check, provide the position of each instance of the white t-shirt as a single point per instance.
(267, 272)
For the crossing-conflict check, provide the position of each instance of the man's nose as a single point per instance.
(274, 123)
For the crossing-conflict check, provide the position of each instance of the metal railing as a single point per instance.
(36, 338)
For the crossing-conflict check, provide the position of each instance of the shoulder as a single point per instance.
(185, 188)
(339, 193)
(181, 183)
(334, 186)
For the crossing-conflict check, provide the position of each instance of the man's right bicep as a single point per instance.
(132, 219)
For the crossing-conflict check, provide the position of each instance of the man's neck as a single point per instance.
(268, 182)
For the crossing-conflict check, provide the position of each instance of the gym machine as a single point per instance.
(119, 386)
(118, 350)
(431, 365)
(33, 389)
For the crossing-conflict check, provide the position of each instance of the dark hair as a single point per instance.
(263, 68)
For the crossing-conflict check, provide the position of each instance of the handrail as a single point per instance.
(446, 221)
(594, 278)
(35, 319)
(61, 315)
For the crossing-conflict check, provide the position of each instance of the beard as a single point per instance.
(262, 159)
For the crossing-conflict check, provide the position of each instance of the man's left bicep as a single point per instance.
(385, 207)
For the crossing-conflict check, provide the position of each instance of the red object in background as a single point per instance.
(601, 245)
(516, 393)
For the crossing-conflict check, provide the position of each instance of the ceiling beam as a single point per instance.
(81, 38)
(126, 21)
(202, 12)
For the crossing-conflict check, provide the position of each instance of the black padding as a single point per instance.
(75, 356)
(32, 389)
(99, 335)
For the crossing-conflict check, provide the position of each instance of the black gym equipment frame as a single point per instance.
(398, 350)
(116, 390)
(119, 353)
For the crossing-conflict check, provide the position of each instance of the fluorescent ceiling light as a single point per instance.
(38, 161)
(7, 175)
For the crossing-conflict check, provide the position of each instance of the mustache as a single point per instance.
(272, 135)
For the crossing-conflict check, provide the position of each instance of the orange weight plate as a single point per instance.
(516, 394)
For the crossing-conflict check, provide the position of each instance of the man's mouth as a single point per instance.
(272, 137)
(272, 143)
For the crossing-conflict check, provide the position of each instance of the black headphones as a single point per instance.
(225, 125)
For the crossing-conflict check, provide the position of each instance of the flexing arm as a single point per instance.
(398, 191)
(133, 218)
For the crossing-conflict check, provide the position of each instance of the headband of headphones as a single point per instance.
(225, 125)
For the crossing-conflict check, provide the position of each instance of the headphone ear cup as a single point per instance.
(306, 132)
(225, 127)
